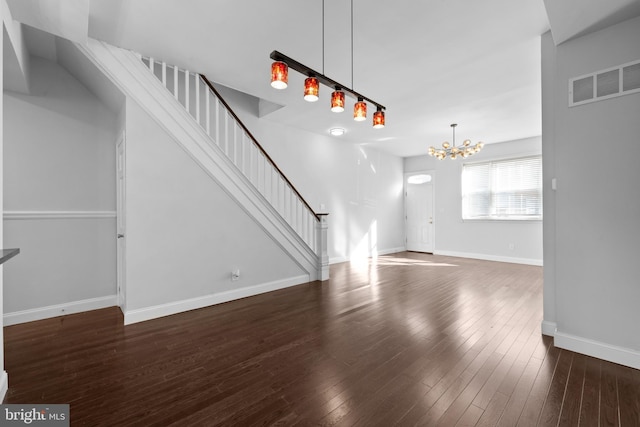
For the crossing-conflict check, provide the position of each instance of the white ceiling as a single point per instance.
(430, 62)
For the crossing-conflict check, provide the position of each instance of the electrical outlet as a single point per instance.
(235, 274)
(512, 246)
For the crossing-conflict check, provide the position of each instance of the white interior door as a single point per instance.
(419, 211)
(120, 221)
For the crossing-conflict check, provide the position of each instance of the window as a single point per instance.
(503, 189)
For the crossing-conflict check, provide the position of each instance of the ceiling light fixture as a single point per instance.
(311, 89)
(337, 101)
(327, 81)
(279, 79)
(360, 110)
(378, 119)
(448, 150)
(336, 131)
(279, 75)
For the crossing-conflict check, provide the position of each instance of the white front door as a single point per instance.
(120, 222)
(419, 211)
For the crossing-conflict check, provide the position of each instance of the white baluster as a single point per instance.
(235, 144)
(207, 97)
(186, 89)
(265, 175)
(152, 62)
(286, 209)
(259, 173)
(300, 218)
(274, 187)
(273, 195)
(197, 85)
(283, 187)
(278, 193)
(226, 133)
(175, 82)
(306, 225)
(164, 74)
(243, 147)
(291, 209)
(253, 164)
(247, 160)
(296, 214)
(312, 231)
(217, 122)
(303, 230)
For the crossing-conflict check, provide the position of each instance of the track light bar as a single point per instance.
(309, 72)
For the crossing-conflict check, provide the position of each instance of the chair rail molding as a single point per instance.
(40, 215)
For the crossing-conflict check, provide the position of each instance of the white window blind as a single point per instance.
(503, 189)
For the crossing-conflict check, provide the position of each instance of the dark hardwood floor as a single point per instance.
(409, 339)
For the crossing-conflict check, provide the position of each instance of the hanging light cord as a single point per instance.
(322, 36)
(351, 44)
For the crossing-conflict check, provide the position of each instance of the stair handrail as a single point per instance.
(255, 141)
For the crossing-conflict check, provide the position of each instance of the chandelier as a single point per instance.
(280, 79)
(450, 150)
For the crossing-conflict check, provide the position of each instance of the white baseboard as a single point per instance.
(611, 353)
(154, 312)
(499, 258)
(392, 250)
(59, 310)
(337, 260)
(4, 385)
(548, 328)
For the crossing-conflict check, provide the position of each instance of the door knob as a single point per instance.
(120, 236)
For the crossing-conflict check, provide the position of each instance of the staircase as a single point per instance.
(188, 107)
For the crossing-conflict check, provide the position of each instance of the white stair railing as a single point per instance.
(202, 101)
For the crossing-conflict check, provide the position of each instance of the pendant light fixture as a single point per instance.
(378, 119)
(452, 151)
(360, 110)
(279, 80)
(337, 101)
(311, 89)
(279, 75)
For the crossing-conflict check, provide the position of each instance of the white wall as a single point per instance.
(4, 382)
(479, 239)
(361, 188)
(59, 197)
(595, 232)
(185, 234)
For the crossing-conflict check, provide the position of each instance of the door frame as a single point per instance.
(121, 245)
(406, 176)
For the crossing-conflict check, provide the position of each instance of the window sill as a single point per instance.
(513, 220)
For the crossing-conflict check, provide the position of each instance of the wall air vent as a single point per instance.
(612, 82)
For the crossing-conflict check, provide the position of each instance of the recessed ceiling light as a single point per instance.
(336, 131)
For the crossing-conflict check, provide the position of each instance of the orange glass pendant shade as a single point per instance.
(279, 75)
(311, 89)
(378, 119)
(337, 101)
(360, 111)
